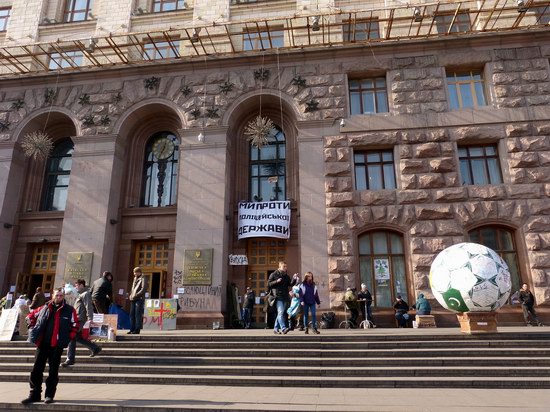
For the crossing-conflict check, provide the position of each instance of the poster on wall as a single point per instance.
(264, 219)
(382, 269)
(7, 323)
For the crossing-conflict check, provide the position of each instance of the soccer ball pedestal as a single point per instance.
(477, 322)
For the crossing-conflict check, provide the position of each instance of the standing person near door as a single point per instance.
(137, 300)
(279, 282)
(102, 293)
(248, 306)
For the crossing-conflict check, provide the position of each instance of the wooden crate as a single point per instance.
(477, 322)
(425, 321)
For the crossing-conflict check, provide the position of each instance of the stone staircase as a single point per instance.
(336, 358)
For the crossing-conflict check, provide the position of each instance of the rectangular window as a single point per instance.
(374, 170)
(466, 89)
(361, 30)
(254, 40)
(4, 16)
(168, 5)
(461, 23)
(368, 95)
(77, 10)
(161, 50)
(65, 60)
(542, 14)
(479, 165)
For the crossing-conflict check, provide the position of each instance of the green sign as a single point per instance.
(197, 267)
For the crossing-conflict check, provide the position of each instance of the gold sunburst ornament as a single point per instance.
(257, 131)
(37, 145)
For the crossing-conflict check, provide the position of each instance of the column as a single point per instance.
(313, 225)
(203, 191)
(93, 200)
(12, 170)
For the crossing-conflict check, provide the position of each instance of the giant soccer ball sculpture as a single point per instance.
(468, 277)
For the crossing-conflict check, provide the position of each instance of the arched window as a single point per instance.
(160, 170)
(267, 169)
(501, 240)
(58, 172)
(382, 266)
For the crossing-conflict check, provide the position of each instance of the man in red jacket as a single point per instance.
(51, 328)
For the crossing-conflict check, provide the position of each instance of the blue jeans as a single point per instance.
(307, 308)
(247, 315)
(136, 315)
(280, 322)
(71, 349)
(402, 319)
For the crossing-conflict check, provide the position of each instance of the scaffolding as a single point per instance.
(336, 29)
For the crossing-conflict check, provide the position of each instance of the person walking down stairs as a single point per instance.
(85, 311)
(309, 296)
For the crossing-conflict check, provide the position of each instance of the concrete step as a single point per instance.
(311, 370)
(304, 344)
(496, 361)
(289, 380)
(114, 350)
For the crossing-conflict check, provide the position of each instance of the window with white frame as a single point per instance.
(168, 5)
(466, 89)
(4, 17)
(368, 95)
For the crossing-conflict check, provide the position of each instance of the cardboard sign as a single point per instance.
(7, 323)
(160, 314)
(100, 330)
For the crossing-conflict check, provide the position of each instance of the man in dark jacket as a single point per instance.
(85, 311)
(528, 305)
(102, 292)
(38, 299)
(279, 283)
(401, 308)
(51, 328)
(248, 306)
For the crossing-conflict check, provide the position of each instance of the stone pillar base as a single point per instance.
(199, 320)
(477, 322)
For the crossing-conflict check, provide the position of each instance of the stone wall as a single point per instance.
(431, 207)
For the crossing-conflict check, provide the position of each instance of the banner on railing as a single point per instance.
(264, 219)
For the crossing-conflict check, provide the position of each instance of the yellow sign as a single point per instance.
(78, 266)
(197, 267)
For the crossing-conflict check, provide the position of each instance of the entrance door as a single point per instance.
(152, 257)
(42, 273)
(264, 255)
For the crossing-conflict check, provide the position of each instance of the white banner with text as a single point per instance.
(264, 219)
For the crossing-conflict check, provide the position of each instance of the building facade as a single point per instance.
(398, 130)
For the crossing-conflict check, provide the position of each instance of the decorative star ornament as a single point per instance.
(257, 131)
(37, 145)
